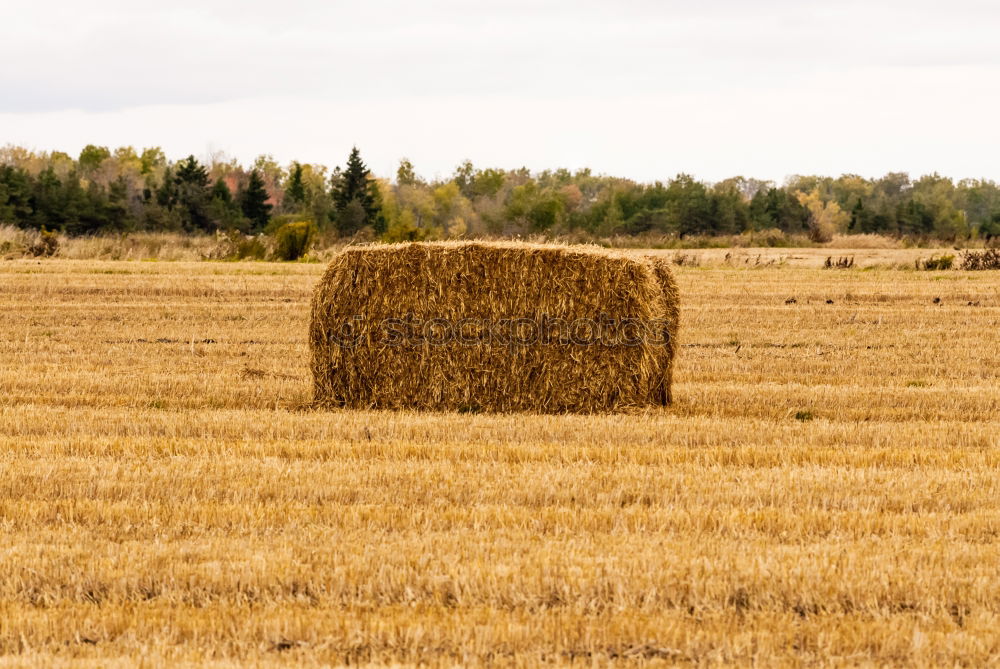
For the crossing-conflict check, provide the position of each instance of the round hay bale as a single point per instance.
(493, 326)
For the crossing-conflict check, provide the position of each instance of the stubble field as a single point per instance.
(825, 488)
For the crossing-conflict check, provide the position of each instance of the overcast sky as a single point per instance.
(642, 89)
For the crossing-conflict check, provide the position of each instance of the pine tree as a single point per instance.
(221, 192)
(254, 202)
(189, 171)
(166, 194)
(356, 185)
(296, 191)
(116, 208)
(223, 210)
(376, 218)
(193, 194)
(354, 181)
(15, 195)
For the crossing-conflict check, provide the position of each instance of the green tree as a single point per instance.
(614, 218)
(936, 194)
(730, 213)
(49, 202)
(152, 159)
(296, 190)
(405, 174)
(355, 185)
(116, 207)
(193, 195)
(464, 177)
(166, 193)
(221, 192)
(254, 202)
(15, 195)
(92, 156)
(488, 182)
(775, 208)
(690, 204)
(223, 209)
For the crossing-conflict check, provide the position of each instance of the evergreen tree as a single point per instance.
(376, 218)
(116, 211)
(15, 195)
(166, 194)
(190, 171)
(86, 210)
(353, 183)
(296, 191)
(356, 185)
(192, 183)
(77, 203)
(50, 205)
(690, 205)
(221, 192)
(254, 202)
(223, 210)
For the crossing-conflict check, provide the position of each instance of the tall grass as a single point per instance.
(16, 243)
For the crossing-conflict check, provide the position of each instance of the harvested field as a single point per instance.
(824, 488)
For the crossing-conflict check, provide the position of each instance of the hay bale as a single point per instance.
(493, 327)
(672, 316)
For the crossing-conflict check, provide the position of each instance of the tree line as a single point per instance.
(123, 190)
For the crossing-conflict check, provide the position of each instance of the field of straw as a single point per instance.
(824, 488)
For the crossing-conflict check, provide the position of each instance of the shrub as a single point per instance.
(279, 221)
(292, 240)
(234, 245)
(936, 262)
(46, 246)
(249, 248)
(772, 237)
(976, 260)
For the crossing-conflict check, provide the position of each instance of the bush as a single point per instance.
(292, 240)
(46, 246)
(249, 248)
(936, 262)
(279, 221)
(234, 245)
(821, 232)
(771, 237)
(975, 260)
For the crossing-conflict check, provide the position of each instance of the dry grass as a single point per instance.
(865, 257)
(823, 490)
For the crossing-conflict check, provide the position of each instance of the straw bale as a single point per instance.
(493, 326)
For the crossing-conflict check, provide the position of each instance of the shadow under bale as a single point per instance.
(493, 326)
